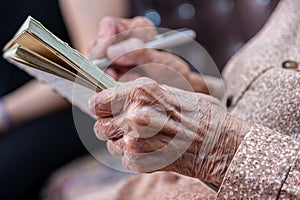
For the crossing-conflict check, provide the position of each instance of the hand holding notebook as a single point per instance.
(36, 50)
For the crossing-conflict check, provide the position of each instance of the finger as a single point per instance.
(165, 59)
(198, 83)
(108, 129)
(108, 102)
(107, 28)
(123, 24)
(169, 157)
(145, 145)
(139, 27)
(146, 120)
(113, 100)
(144, 29)
(151, 129)
(113, 30)
(151, 120)
(129, 75)
(113, 73)
(115, 147)
(127, 53)
(99, 50)
(179, 142)
(134, 52)
(122, 73)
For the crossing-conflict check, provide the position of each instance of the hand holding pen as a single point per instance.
(162, 41)
(135, 47)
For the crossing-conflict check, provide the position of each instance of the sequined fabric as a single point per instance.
(266, 165)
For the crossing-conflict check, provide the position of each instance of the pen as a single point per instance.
(166, 40)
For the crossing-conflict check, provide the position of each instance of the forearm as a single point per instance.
(31, 101)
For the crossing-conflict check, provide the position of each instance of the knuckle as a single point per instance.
(139, 20)
(106, 19)
(132, 144)
(145, 81)
(136, 42)
(104, 98)
(98, 129)
(140, 116)
(106, 129)
(115, 148)
(145, 87)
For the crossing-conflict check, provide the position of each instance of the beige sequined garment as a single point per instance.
(266, 165)
(261, 91)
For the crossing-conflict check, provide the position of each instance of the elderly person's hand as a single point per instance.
(157, 127)
(122, 41)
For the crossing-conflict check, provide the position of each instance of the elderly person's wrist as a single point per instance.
(213, 167)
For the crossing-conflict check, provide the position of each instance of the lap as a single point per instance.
(88, 179)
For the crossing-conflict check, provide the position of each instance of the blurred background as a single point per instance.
(31, 151)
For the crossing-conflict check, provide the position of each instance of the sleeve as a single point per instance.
(265, 166)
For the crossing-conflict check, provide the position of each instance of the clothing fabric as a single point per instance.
(263, 93)
(266, 163)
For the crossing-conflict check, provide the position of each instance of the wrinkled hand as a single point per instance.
(156, 127)
(122, 41)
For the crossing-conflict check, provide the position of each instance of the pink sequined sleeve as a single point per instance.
(265, 166)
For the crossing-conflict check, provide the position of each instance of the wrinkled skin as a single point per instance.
(122, 41)
(156, 127)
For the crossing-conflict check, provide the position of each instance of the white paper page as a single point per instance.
(73, 92)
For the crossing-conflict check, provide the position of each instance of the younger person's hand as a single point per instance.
(122, 41)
